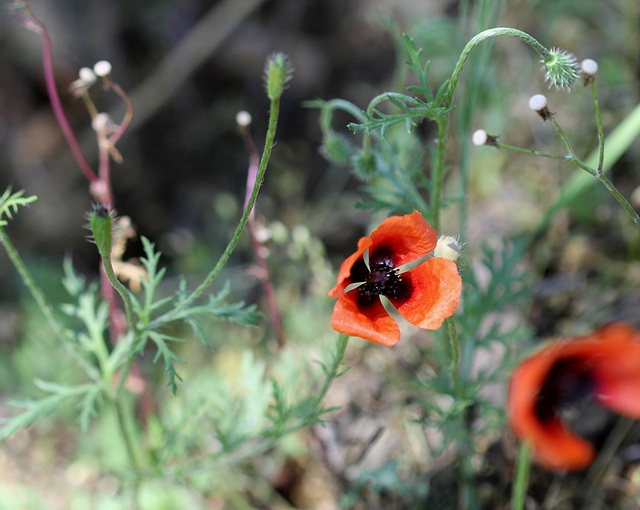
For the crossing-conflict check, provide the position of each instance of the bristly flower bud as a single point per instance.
(277, 75)
(538, 104)
(101, 224)
(589, 69)
(562, 69)
(480, 137)
(365, 166)
(448, 247)
(336, 149)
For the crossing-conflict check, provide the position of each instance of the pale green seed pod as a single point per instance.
(277, 74)
(101, 224)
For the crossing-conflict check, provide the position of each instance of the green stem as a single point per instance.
(596, 111)
(266, 155)
(343, 340)
(438, 177)
(531, 152)
(124, 294)
(454, 342)
(597, 173)
(126, 432)
(522, 476)
(58, 329)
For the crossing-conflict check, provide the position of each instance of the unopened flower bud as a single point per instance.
(480, 137)
(102, 68)
(86, 78)
(87, 75)
(101, 224)
(589, 69)
(448, 247)
(538, 104)
(277, 75)
(243, 119)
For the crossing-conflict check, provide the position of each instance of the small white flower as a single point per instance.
(243, 118)
(86, 75)
(589, 66)
(100, 122)
(538, 102)
(479, 137)
(102, 68)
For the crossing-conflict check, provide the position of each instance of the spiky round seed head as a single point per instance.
(243, 118)
(561, 68)
(589, 66)
(538, 102)
(479, 137)
(102, 68)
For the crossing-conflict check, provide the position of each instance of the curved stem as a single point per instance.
(266, 155)
(491, 32)
(31, 22)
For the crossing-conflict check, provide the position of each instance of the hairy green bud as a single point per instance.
(101, 224)
(365, 166)
(336, 148)
(277, 75)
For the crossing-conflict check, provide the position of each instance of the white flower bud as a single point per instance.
(479, 137)
(100, 122)
(86, 76)
(589, 66)
(448, 247)
(538, 102)
(102, 68)
(243, 118)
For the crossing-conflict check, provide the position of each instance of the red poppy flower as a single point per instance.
(424, 295)
(604, 365)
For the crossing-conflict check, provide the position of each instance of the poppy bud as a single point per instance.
(448, 247)
(101, 225)
(277, 74)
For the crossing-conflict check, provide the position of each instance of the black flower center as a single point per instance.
(383, 280)
(380, 278)
(569, 382)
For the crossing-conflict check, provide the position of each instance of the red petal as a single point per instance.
(345, 269)
(611, 356)
(371, 323)
(436, 287)
(617, 369)
(554, 447)
(407, 237)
